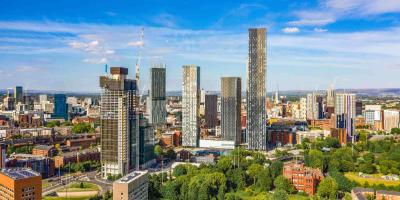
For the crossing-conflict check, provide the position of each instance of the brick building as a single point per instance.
(20, 184)
(169, 139)
(44, 150)
(324, 124)
(77, 157)
(304, 179)
(387, 195)
(42, 164)
(340, 134)
(82, 142)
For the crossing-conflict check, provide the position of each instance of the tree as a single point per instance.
(328, 188)
(170, 154)
(276, 169)
(280, 195)
(158, 150)
(264, 180)
(282, 183)
(82, 128)
(395, 131)
(179, 170)
(254, 171)
(315, 159)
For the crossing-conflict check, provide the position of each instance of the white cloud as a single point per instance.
(136, 44)
(96, 60)
(26, 68)
(291, 30)
(320, 30)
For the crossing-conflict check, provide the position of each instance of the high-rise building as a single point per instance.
(256, 83)
(345, 111)
(190, 106)
(202, 101)
(118, 114)
(157, 109)
(60, 106)
(303, 108)
(9, 103)
(312, 106)
(133, 186)
(42, 98)
(145, 154)
(320, 106)
(20, 184)
(231, 98)
(390, 119)
(210, 110)
(359, 108)
(18, 94)
(330, 97)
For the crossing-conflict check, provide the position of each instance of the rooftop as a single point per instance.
(19, 173)
(43, 147)
(131, 177)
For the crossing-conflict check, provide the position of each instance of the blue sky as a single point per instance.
(63, 45)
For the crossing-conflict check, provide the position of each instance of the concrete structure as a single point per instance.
(20, 184)
(345, 111)
(390, 119)
(190, 106)
(156, 104)
(330, 97)
(256, 90)
(231, 99)
(60, 107)
(117, 121)
(133, 186)
(210, 110)
(303, 108)
(312, 106)
(304, 179)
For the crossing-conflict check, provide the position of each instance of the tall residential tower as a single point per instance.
(156, 104)
(256, 83)
(190, 106)
(118, 123)
(231, 98)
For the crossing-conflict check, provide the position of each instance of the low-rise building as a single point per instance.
(133, 186)
(304, 179)
(387, 195)
(41, 164)
(44, 150)
(76, 157)
(20, 184)
(84, 143)
(361, 193)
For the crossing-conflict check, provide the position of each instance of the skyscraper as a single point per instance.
(60, 106)
(330, 97)
(345, 111)
(118, 123)
(157, 110)
(231, 98)
(18, 94)
(210, 110)
(256, 72)
(312, 106)
(190, 106)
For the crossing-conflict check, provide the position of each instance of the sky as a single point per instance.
(64, 44)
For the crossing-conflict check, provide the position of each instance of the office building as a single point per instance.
(190, 106)
(157, 110)
(117, 122)
(9, 103)
(145, 155)
(330, 97)
(18, 94)
(231, 99)
(60, 107)
(256, 90)
(345, 111)
(390, 119)
(210, 110)
(133, 186)
(312, 106)
(20, 184)
(359, 108)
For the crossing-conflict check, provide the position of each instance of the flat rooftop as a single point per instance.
(131, 177)
(19, 173)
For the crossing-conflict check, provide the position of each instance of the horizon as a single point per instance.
(43, 47)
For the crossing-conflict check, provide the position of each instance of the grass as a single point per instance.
(251, 195)
(375, 179)
(76, 187)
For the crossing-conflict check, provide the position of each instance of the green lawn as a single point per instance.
(375, 179)
(249, 195)
(76, 187)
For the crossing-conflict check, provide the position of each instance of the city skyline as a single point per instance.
(307, 50)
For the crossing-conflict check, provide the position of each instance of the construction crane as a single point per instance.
(141, 44)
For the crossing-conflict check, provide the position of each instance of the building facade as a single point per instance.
(60, 106)
(345, 111)
(133, 186)
(117, 123)
(256, 90)
(390, 119)
(210, 110)
(304, 179)
(231, 99)
(157, 110)
(20, 184)
(190, 106)
(312, 106)
(18, 94)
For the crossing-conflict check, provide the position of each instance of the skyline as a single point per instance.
(308, 43)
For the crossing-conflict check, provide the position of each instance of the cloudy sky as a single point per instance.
(64, 44)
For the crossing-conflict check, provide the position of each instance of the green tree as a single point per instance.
(82, 128)
(254, 170)
(328, 188)
(395, 131)
(158, 150)
(179, 170)
(170, 154)
(282, 183)
(276, 169)
(280, 195)
(315, 159)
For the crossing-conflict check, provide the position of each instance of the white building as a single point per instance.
(133, 186)
(312, 106)
(390, 119)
